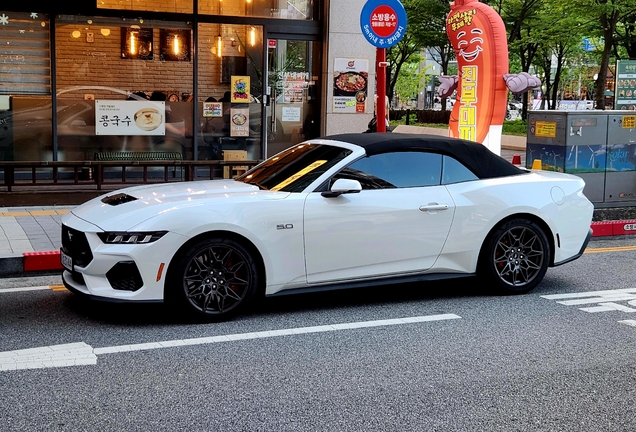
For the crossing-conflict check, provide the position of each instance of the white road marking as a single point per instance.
(605, 301)
(79, 353)
(73, 354)
(589, 294)
(35, 288)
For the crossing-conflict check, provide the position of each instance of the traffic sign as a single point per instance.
(383, 22)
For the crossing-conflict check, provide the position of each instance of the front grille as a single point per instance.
(125, 276)
(75, 245)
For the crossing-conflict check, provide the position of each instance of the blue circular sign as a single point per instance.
(383, 22)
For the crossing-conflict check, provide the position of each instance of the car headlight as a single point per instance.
(130, 237)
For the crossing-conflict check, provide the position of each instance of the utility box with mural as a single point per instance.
(598, 146)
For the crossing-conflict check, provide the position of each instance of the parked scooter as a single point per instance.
(372, 126)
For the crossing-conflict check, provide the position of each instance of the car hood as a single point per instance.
(123, 209)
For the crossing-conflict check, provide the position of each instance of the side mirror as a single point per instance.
(343, 186)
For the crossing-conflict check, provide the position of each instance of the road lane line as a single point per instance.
(610, 249)
(80, 353)
(72, 354)
(34, 288)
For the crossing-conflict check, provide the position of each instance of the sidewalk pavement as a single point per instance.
(30, 240)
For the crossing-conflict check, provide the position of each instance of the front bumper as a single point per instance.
(116, 272)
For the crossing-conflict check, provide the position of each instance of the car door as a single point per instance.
(396, 225)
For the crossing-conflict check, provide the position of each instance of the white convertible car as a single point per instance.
(350, 210)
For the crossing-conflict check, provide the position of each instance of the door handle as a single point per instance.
(433, 207)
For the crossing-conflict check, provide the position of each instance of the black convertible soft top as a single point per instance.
(476, 157)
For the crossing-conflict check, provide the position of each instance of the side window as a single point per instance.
(455, 172)
(395, 170)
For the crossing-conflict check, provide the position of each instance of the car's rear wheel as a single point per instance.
(214, 279)
(515, 257)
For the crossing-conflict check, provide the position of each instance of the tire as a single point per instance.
(213, 279)
(515, 257)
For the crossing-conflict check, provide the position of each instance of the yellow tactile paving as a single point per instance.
(35, 213)
(16, 214)
(43, 213)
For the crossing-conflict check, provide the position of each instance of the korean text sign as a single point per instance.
(383, 22)
(119, 117)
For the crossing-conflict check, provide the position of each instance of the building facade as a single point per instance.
(195, 77)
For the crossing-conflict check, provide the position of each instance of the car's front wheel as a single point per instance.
(214, 279)
(515, 257)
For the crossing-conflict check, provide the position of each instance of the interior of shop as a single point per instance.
(129, 84)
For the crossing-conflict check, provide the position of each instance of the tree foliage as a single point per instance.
(426, 28)
(545, 37)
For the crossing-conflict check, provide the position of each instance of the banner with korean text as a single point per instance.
(119, 117)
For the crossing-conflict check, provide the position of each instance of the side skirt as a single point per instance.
(372, 283)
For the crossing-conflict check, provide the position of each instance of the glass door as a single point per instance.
(293, 112)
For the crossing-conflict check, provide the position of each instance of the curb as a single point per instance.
(613, 228)
(30, 263)
(17, 265)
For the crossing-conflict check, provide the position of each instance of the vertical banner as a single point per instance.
(239, 122)
(625, 83)
(240, 91)
(350, 87)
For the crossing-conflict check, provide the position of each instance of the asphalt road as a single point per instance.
(560, 358)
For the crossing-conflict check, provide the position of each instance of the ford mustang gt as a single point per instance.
(351, 210)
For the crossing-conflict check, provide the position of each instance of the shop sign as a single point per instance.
(294, 84)
(383, 22)
(240, 91)
(212, 109)
(119, 117)
(350, 85)
(290, 114)
(239, 122)
(625, 91)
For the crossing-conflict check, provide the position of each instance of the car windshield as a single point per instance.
(295, 168)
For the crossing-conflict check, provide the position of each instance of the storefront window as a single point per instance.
(179, 6)
(123, 86)
(293, 114)
(25, 87)
(287, 9)
(230, 91)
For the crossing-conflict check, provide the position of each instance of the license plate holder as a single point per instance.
(66, 261)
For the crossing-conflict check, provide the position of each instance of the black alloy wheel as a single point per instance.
(516, 257)
(215, 278)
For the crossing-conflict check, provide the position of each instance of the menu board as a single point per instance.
(625, 94)
(239, 122)
(350, 85)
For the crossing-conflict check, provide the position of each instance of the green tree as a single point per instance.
(410, 79)
(613, 16)
(425, 28)
(562, 27)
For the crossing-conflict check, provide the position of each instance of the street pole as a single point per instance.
(380, 70)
